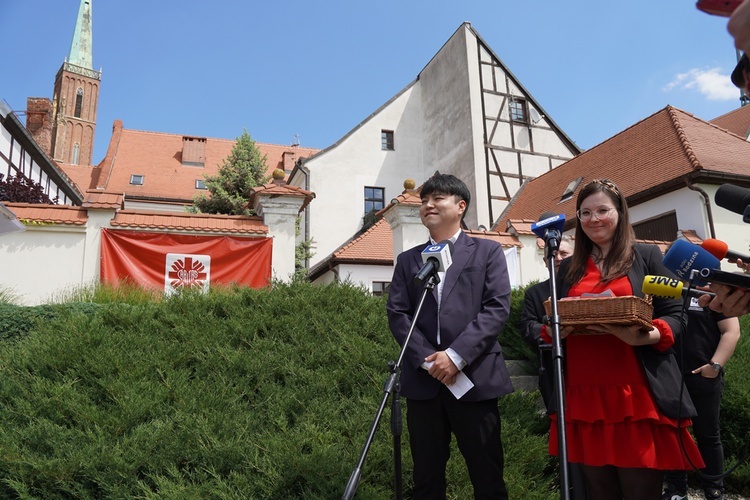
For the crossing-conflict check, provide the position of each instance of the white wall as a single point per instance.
(42, 262)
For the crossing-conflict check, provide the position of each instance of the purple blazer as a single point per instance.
(475, 305)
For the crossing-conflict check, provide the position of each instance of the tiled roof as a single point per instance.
(655, 155)
(736, 121)
(375, 247)
(158, 157)
(409, 196)
(95, 199)
(203, 223)
(49, 214)
(280, 189)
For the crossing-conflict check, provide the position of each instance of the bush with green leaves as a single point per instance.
(240, 393)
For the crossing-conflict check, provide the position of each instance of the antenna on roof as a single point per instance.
(295, 142)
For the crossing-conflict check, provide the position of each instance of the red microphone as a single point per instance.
(721, 250)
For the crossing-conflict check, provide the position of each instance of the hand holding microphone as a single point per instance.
(671, 288)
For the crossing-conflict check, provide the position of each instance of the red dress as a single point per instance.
(611, 418)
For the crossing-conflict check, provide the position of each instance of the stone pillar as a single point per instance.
(403, 217)
(279, 205)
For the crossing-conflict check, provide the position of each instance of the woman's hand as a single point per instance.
(630, 334)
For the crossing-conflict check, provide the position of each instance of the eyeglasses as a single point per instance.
(600, 213)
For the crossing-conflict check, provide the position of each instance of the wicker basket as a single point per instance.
(627, 310)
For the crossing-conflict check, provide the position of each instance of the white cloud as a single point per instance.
(714, 85)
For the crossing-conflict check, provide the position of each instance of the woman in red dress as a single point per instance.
(614, 427)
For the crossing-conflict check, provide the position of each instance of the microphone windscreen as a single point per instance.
(683, 257)
(715, 247)
(662, 286)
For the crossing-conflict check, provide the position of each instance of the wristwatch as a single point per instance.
(716, 366)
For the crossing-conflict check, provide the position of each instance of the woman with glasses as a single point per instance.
(614, 427)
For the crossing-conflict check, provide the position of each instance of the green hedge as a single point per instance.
(237, 394)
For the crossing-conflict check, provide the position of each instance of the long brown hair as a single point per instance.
(620, 257)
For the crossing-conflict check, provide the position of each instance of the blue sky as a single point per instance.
(317, 69)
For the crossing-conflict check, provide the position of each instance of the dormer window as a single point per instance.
(137, 179)
(571, 189)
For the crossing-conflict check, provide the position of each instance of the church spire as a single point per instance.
(80, 48)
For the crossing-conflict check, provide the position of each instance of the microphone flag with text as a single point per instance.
(735, 199)
(671, 288)
(551, 226)
(684, 256)
(436, 258)
(721, 250)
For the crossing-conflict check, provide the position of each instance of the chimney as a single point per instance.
(194, 151)
(39, 122)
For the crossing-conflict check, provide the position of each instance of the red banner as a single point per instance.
(178, 261)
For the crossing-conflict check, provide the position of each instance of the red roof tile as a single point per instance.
(49, 214)
(280, 189)
(232, 224)
(158, 157)
(96, 199)
(736, 121)
(656, 154)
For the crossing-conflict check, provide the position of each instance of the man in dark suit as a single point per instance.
(456, 331)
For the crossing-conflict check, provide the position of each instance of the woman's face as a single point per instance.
(599, 218)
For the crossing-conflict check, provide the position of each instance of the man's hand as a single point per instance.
(729, 301)
(442, 368)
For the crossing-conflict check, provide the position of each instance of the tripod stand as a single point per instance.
(552, 243)
(392, 386)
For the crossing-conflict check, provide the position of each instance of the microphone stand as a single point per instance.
(392, 385)
(552, 243)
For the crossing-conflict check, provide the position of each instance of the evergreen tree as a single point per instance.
(241, 171)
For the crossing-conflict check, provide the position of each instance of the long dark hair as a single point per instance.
(620, 257)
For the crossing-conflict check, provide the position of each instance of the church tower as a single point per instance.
(76, 96)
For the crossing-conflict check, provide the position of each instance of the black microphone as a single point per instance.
(435, 258)
(737, 280)
(671, 288)
(721, 250)
(735, 199)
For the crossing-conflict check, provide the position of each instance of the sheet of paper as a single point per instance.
(461, 386)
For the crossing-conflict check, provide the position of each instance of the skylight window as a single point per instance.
(137, 179)
(571, 189)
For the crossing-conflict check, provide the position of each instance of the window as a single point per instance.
(568, 193)
(79, 102)
(200, 184)
(386, 140)
(380, 287)
(661, 228)
(75, 154)
(518, 110)
(136, 179)
(374, 199)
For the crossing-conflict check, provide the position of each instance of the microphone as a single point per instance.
(737, 280)
(735, 199)
(435, 258)
(671, 288)
(720, 250)
(682, 257)
(550, 227)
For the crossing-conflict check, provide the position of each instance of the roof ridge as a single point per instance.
(153, 132)
(682, 136)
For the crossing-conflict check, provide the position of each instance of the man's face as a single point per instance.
(564, 251)
(441, 211)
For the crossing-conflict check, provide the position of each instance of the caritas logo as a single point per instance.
(183, 272)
